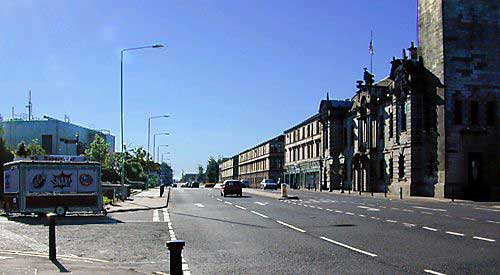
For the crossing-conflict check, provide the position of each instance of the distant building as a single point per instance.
(264, 161)
(55, 136)
(229, 168)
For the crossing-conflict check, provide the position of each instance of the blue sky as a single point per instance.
(232, 74)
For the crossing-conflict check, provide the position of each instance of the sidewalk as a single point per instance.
(144, 200)
(35, 263)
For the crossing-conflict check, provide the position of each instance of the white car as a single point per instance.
(268, 184)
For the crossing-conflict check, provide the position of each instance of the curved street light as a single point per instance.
(121, 114)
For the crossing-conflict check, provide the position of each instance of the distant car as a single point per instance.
(185, 184)
(268, 184)
(209, 185)
(174, 184)
(231, 187)
(245, 183)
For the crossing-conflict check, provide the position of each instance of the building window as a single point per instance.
(490, 113)
(308, 130)
(401, 166)
(474, 112)
(404, 110)
(391, 168)
(391, 125)
(317, 149)
(457, 112)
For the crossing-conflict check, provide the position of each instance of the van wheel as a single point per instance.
(60, 211)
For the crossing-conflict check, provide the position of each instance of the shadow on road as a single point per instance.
(60, 266)
(144, 208)
(217, 220)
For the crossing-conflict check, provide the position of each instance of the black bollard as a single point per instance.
(175, 248)
(401, 192)
(372, 191)
(385, 191)
(452, 195)
(168, 196)
(360, 191)
(52, 236)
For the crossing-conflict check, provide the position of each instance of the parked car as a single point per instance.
(245, 183)
(174, 184)
(231, 187)
(268, 184)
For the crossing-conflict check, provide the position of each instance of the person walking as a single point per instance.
(162, 189)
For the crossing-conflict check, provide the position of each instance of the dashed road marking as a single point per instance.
(375, 218)
(361, 215)
(469, 219)
(199, 205)
(483, 239)
(259, 214)
(408, 210)
(349, 247)
(429, 228)
(349, 213)
(427, 213)
(408, 224)
(338, 211)
(320, 208)
(454, 233)
(369, 208)
(219, 199)
(240, 207)
(156, 217)
(428, 208)
(328, 209)
(488, 209)
(433, 272)
(260, 203)
(391, 221)
(291, 226)
(226, 202)
(493, 221)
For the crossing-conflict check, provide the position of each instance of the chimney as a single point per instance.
(404, 54)
(413, 51)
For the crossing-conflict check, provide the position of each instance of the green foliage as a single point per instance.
(35, 149)
(166, 173)
(212, 172)
(201, 175)
(5, 154)
(98, 150)
(134, 171)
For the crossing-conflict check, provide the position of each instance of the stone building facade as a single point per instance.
(458, 42)
(302, 154)
(264, 161)
(229, 169)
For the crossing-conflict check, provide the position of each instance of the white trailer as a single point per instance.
(52, 184)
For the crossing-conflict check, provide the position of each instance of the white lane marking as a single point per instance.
(156, 217)
(320, 208)
(433, 272)
(226, 202)
(427, 213)
(219, 199)
(493, 221)
(199, 205)
(349, 247)
(261, 203)
(428, 208)
(483, 239)
(5, 258)
(375, 218)
(170, 226)
(166, 217)
(361, 215)
(395, 208)
(349, 213)
(391, 221)
(454, 233)
(300, 204)
(291, 226)
(259, 214)
(409, 224)
(469, 219)
(408, 210)
(369, 208)
(429, 228)
(240, 207)
(328, 209)
(480, 208)
(338, 211)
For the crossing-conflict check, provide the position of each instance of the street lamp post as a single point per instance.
(149, 132)
(158, 151)
(121, 114)
(167, 153)
(154, 142)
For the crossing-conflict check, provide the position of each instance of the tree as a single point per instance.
(201, 175)
(21, 150)
(166, 173)
(98, 150)
(212, 172)
(5, 154)
(35, 149)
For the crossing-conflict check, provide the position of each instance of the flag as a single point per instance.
(370, 47)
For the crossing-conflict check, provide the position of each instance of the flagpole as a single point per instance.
(371, 52)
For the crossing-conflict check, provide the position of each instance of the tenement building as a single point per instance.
(264, 161)
(229, 168)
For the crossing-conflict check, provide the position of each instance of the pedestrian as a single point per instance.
(162, 189)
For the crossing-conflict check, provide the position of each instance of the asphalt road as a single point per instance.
(325, 233)
(320, 233)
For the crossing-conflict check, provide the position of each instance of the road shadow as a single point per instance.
(59, 265)
(67, 220)
(143, 208)
(217, 220)
(237, 197)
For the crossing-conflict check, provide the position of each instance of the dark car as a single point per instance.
(231, 187)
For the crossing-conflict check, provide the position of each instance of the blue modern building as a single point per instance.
(57, 137)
